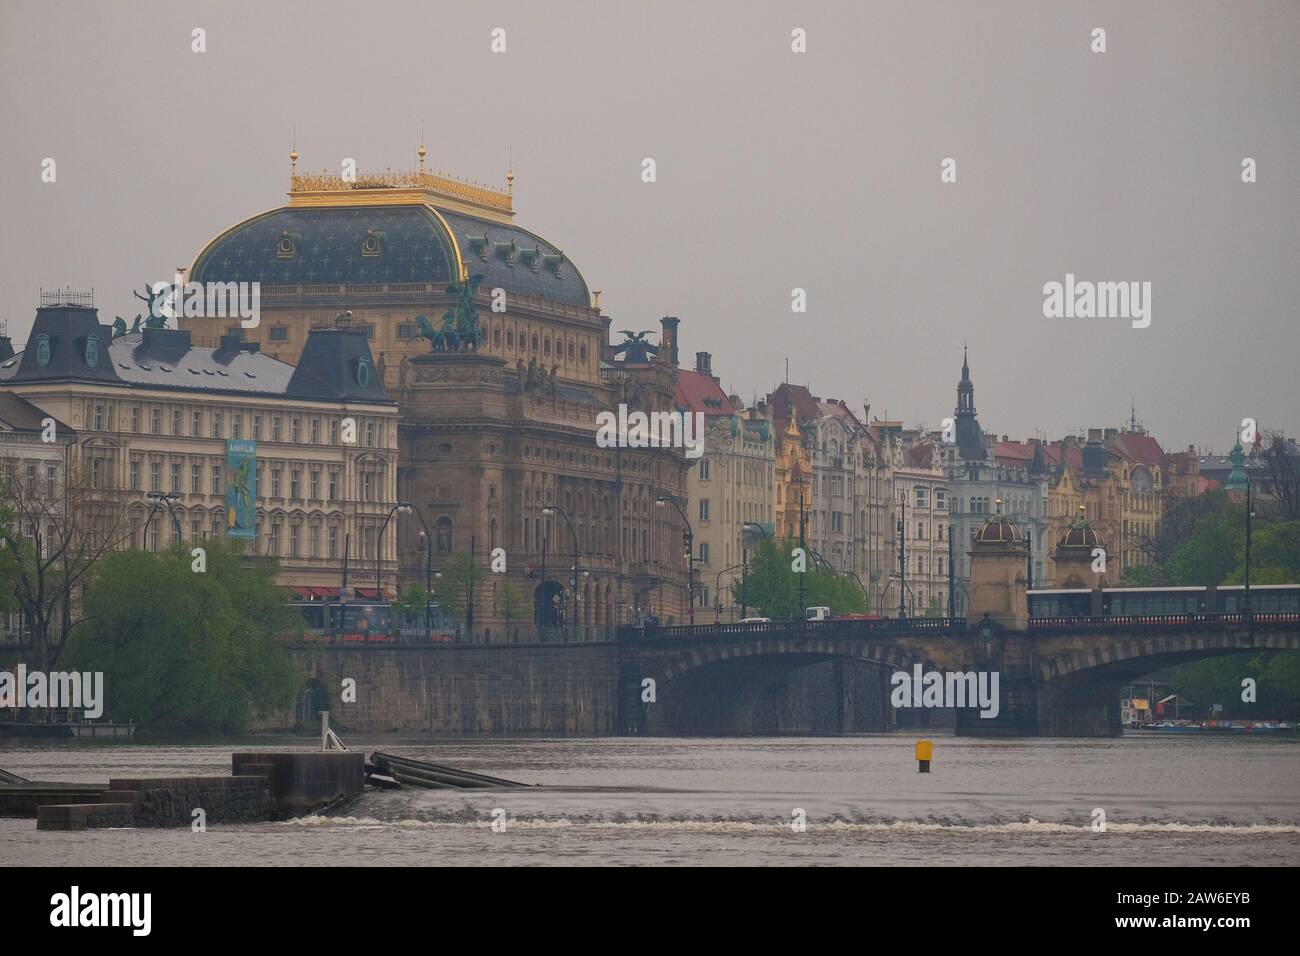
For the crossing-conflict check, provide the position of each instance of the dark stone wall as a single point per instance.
(467, 689)
(171, 801)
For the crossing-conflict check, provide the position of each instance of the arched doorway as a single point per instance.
(548, 604)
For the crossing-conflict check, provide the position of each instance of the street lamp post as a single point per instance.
(428, 566)
(902, 556)
(749, 527)
(555, 510)
(803, 552)
(717, 587)
(1245, 600)
(155, 499)
(401, 507)
(689, 537)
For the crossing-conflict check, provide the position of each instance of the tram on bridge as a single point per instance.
(1279, 599)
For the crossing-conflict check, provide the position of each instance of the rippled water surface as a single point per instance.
(656, 801)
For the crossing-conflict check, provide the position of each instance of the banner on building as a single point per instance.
(241, 489)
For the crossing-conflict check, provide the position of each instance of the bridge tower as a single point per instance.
(999, 618)
(997, 574)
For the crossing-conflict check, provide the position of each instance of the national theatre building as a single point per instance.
(496, 350)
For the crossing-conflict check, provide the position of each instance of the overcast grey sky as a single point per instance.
(775, 170)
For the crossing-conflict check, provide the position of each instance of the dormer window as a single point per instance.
(286, 247)
(506, 251)
(480, 244)
(373, 244)
(554, 263)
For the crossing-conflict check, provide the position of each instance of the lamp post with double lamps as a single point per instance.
(555, 510)
(689, 538)
(401, 508)
(155, 499)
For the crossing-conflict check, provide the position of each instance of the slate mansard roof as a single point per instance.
(330, 369)
(388, 243)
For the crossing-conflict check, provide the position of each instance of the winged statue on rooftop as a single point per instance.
(635, 348)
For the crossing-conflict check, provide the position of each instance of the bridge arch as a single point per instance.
(745, 686)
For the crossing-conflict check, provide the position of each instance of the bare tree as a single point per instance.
(57, 528)
(1280, 493)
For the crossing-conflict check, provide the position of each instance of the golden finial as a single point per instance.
(510, 174)
(421, 152)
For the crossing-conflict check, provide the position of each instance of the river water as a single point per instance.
(1169, 801)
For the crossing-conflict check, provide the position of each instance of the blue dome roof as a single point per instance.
(414, 242)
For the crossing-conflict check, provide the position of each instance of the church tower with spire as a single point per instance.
(970, 439)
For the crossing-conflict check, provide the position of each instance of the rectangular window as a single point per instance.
(135, 418)
(704, 469)
(274, 547)
(295, 482)
(294, 530)
(216, 424)
(334, 486)
(175, 477)
(216, 479)
(313, 540)
(704, 552)
(196, 425)
(334, 541)
(133, 479)
(236, 426)
(155, 476)
(314, 483)
(922, 496)
(257, 428)
(275, 482)
(370, 434)
(315, 431)
(155, 421)
(295, 429)
(279, 333)
(334, 433)
(275, 428)
(176, 421)
(51, 481)
(368, 486)
(941, 500)
(704, 509)
(196, 482)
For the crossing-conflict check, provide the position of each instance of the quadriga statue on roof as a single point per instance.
(460, 329)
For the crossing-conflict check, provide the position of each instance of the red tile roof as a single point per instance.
(787, 396)
(698, 392)
(1141, 448)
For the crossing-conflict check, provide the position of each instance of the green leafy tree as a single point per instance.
(188, 652)
(410, 604)
(509, 603)
(461, 579)
(1203, 542)
(771, 585)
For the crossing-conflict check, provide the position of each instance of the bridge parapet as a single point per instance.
(838, 630)
(1145, 623)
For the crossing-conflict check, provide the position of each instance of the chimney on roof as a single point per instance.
(703, 363)
(1109, 434)
(668, 339)
(6, 348)
(343, 320)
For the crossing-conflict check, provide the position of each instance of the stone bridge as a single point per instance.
(1057, 676)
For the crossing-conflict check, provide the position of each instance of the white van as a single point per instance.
(819, 614)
